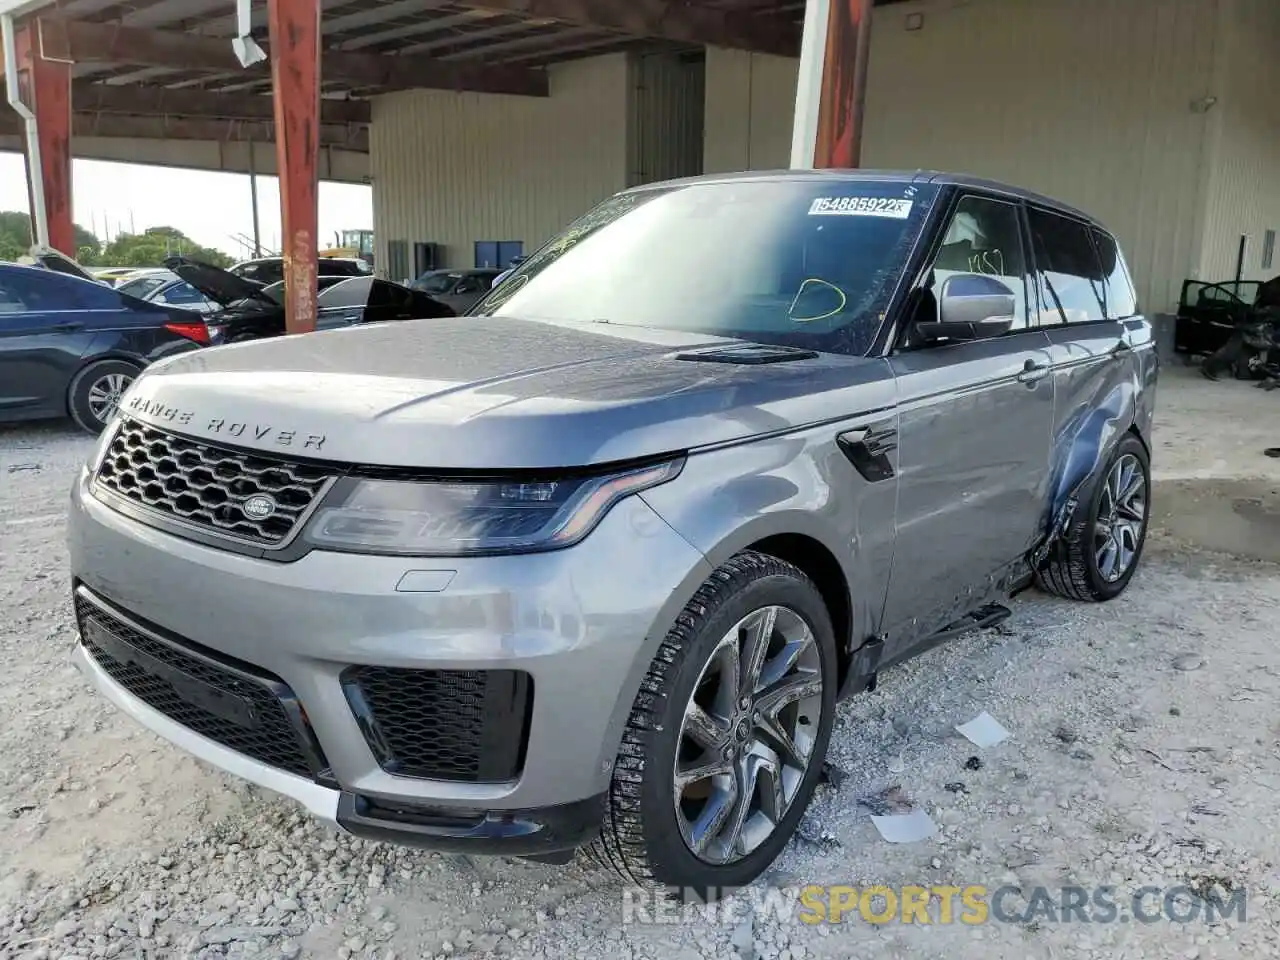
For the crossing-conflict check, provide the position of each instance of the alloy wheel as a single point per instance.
(105, 393)
(1122, 514)
(747, 736)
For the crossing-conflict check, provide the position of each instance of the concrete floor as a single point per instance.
(1215, 488)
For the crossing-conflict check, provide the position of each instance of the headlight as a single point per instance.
(456, 517)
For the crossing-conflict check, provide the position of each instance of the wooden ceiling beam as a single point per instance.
(690, 23)
(81, 42)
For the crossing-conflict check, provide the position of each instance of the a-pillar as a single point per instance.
(832, 84)
(294, 32)
(45, 89)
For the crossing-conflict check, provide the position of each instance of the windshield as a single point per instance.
(436, 282)
(806, 262)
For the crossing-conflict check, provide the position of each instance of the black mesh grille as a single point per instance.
(467, 725)
(207, 486)
(245, 711)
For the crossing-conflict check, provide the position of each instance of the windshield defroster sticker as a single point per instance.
(890, 207)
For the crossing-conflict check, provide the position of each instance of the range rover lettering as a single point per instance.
(592, 565)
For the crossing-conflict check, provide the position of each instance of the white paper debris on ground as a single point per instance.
(984, 730)
(906, 828)
(897, 764)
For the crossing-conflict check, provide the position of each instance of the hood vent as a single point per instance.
(747, 353)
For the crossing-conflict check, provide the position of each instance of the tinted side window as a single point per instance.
(338, 268)
(1071, 278)
(1121, 301)
(10, 302)
(41, 290)
(984, 237)
(96, 296)
(266, 272)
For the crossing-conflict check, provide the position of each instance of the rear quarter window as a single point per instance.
(1121, 300)
(1071, 278)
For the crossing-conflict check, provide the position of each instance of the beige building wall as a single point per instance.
(750, 100)
(456, 168)
(1242, 195)
(1094, 102)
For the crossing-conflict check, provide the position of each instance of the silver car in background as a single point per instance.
(593, 565)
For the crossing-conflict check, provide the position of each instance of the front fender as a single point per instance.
(798, 485)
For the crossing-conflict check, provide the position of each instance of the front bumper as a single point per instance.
(528, 833)
(583, 623)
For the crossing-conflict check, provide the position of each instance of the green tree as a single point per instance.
(149, 248)
(16, 238)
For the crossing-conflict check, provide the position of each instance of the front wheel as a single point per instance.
(94, 394)
(1097, 555)
(727, 736)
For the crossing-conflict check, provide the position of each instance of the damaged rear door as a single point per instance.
(1099, 345)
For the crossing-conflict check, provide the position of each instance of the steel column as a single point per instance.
(44, 87)
(832, 85)
(294, 31)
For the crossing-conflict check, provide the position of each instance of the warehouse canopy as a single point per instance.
(166, 68)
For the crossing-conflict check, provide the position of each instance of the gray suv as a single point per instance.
(593, 564)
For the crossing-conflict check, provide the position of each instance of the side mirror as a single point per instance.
(971, 306)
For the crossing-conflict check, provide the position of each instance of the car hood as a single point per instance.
(220, 286)
(58, 262)
(483, 393)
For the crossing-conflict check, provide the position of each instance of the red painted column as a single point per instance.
(45, 87)
(844, 84)
(832, 84)
(294, 31)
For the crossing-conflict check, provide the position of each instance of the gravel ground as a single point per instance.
(1144, 751)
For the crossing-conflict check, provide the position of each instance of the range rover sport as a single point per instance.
(592, 565)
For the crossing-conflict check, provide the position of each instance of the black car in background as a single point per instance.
(269, 270)
(251, 311)
(460, 289)
(70, 346)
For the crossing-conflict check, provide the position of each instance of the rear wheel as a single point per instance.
(95, 392)
(1097, 555)
(727, 736)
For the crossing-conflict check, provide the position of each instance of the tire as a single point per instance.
(84, 396)
(641, 838)
(1075, 566)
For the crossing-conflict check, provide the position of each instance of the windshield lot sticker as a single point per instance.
(890, 207)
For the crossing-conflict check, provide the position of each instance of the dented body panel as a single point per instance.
(1104, 385)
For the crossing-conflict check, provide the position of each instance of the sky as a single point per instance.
(211, 208)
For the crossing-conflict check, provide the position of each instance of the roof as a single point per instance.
(166, 67)
(938, 177)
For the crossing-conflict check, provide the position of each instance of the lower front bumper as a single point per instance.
(532, 833)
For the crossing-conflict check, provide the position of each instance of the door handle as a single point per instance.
(1033, 372)
(69, 327)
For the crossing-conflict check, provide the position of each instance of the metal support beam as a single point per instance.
(332, 136)
(694, 23)
(294, 29)
(43, 87)
(830, 95)
(83, 42)
(157, 101)
(253, 200)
